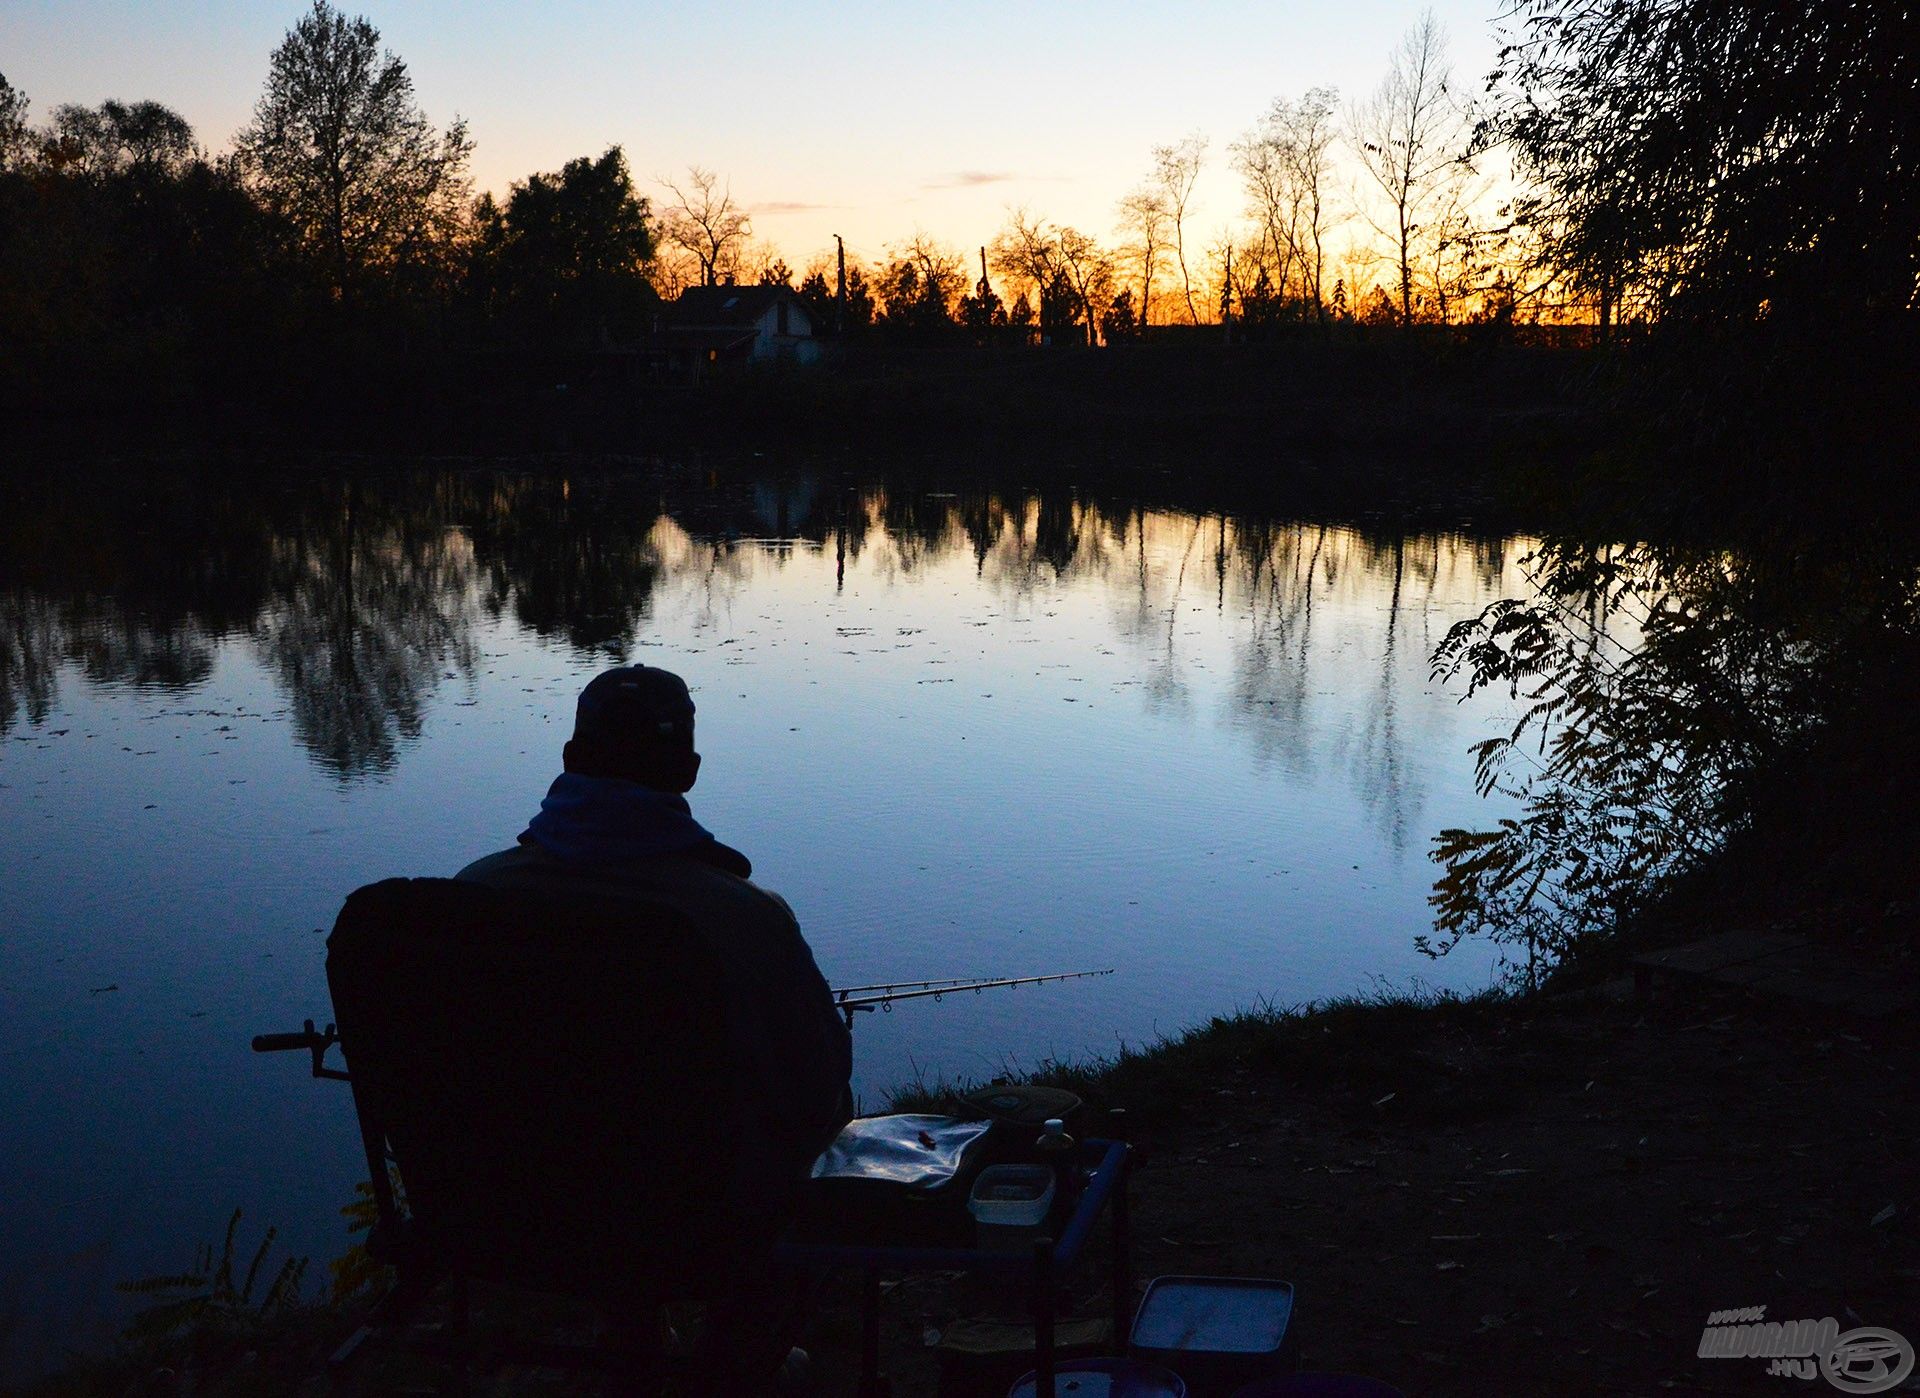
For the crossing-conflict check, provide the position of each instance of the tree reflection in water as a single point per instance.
(31, 645)
(564, 562)
(370, 602)
(1269, 685)
(363, 595)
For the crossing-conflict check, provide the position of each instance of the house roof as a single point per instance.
(730, 305)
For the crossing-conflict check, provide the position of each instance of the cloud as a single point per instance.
(786, 206)
(970, 179)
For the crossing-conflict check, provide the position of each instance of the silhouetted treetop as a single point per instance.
(821, 295)
(920, 286)
(1725, 162)
(140, 138)
(13, 124)
(705, 223)
(338, 148)
(567, 256)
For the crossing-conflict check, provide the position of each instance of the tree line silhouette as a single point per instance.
(1678, 165)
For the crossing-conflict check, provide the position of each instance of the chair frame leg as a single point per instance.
(871, 1383)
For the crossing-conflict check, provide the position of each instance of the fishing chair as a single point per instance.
(551, 1081)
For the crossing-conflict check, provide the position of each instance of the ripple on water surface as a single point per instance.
(965, 733)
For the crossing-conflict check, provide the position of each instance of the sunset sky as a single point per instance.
(872, 121)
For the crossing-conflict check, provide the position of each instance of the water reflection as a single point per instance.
(369, 605)
(964, 727)
(572, 570)
(362, 596)
(30, 652)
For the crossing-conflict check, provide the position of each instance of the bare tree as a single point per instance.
(1312, 118)
(922, 283)
(756, 260)
(1367, 272)
(1455, 248)
(1175, 169)
(1233, 273)
(1144, 217)
(1264, 160)
(1026, 254)
(1411, 136)
(1089, 271)
(674, 269)
(1069, 276)
(704, 222)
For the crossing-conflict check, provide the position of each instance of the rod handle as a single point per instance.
(280, 1043)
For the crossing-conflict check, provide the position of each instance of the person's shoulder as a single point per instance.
(693, 868)
(785, 908)
(504, 865)
(695, 882)
(705, 882)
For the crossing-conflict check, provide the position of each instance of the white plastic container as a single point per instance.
(1010, 1204)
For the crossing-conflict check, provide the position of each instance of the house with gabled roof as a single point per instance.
(760, 324)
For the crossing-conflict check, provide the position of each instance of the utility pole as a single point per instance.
(840, 302)
(1226, 300)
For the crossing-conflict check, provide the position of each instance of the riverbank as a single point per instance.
(1450, 396)
(1472, 1197)
(1444, 417)
(1526, 1198)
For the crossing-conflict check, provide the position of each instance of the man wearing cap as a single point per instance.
(617, 821)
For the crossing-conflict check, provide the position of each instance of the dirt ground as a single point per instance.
(1471, 1200)
(1549, 1203)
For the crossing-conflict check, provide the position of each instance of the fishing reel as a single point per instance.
(315, 1041)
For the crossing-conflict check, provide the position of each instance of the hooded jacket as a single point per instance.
(621, 839)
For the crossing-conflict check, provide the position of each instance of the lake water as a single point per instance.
(966, 732)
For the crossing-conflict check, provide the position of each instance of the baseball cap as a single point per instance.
(634, 703)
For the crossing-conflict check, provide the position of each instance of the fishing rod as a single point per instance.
(906, 985)
(865, 999)
(849, 1000)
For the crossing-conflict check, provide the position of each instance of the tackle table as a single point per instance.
(1106, 1165)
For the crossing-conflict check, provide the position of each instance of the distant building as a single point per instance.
(755, 324)
(709, 329)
